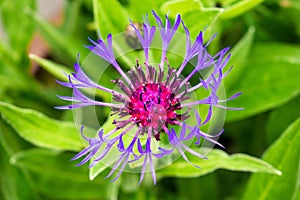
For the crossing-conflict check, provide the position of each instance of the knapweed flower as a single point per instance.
(152, 100)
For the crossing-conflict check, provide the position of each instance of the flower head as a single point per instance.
(152, 101)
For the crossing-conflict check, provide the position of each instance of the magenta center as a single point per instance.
(153, 105)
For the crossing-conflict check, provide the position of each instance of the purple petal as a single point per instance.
(192, 151)
(140, 148)
(116, 165)
(152, 169)
(183, 131)
(82, 153)
(232, 97)
(158, 20)
(67, 98)
(121, 144)
(208, 117)
(210, 40)
(185, 158)
(91, 154)
(122, 168)
(163, 152)
(143, 169)
(63, 107)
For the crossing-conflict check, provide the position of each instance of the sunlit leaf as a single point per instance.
(283, 154)
(217, 159)
(53, 68)
(114, 21)
(207, 15)
(40, 130)
(139, 9)
(180, 7)
(240, 7)
(110, 20)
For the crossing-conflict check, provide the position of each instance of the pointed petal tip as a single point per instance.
(73, 158)
(79, 164)
(91, 165)
(63, 107)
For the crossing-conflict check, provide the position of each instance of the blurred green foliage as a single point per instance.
(37, 141)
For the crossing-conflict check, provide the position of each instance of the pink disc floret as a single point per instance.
(154, 106)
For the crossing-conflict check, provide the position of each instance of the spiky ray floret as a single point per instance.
(150, 99)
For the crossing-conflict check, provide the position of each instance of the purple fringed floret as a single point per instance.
(106, 52)
(92, 149)
(191, 51)
(153, 100)
(101, 49)
(124, 159)
(146, 37)
(147, 153)
(177, 143)
(166, 32)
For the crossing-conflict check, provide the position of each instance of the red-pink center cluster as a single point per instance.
(153, 105)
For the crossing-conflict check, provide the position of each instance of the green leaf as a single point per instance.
(114, 21)
(56, 177)
(10, 140)
(40, 130)
(294, 4)
(59, 72)
(180, 7)
(207, 15)
(13, 182)
(240, 53)
(110, 20)
(283, 154)
(280, 118)
(270, 78)
(72, 16)
(18, 28)
(205, 187)
(11, 84)
(217, 159)
(7, 55)
(138, 9)
(10, 64)
(53, 68)
(239, 8)
(64, 46)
